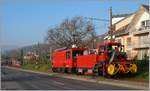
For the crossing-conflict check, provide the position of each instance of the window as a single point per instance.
(77, 53)
(145, 24)
(68, 55)
(142, 54)
(119, 40)
(143, 40)
(129, 41)
(102, 48)
(129, 53)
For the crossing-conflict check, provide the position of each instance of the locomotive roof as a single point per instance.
(109, 44)
(65, 49)
(79, 48)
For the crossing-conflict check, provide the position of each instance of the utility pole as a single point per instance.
(50, 53)
(110, 29)
(97, 19)
(21, 56)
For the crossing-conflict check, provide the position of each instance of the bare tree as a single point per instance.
(72, 31)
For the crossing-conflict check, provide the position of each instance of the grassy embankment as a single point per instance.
(43, 67)
(142, 75)
(143, 69)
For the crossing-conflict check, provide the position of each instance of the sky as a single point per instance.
(26, 22)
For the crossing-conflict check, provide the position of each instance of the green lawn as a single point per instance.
(142, 75)
(37, 67)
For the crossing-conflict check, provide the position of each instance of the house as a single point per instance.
(31, 56)
(133, 32)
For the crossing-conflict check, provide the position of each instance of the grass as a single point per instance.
(143, 69)
(47, 67)
(37, 67)
(43, 67)
(142, 75)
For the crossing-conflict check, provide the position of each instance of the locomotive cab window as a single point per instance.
(68, 55)
(77, 53)
(102, 49)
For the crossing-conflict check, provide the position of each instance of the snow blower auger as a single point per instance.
(116, 60)
(113, 69)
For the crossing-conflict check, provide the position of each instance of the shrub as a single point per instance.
(143, 65)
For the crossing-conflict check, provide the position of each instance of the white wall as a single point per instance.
(116, 19)
(144, 17)
(124, 22)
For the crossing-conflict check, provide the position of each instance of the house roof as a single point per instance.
(138, 13)
(146, 7)
(121, 31)
(121, 15)
(124, 30)
(124, 18)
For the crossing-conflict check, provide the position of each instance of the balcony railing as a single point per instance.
(142, 30)
(146, 45)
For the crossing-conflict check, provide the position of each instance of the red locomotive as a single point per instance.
(107, 59)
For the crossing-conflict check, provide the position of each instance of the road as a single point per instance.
(19, 80)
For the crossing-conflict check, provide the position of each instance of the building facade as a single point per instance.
(133, 32)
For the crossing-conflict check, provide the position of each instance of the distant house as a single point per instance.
(133, 32)
(31, 56)
(15, 62)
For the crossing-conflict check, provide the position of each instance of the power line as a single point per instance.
(96, 19)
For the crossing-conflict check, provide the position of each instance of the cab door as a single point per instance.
(68, 59)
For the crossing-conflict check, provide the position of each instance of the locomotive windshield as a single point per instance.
(110, 48)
